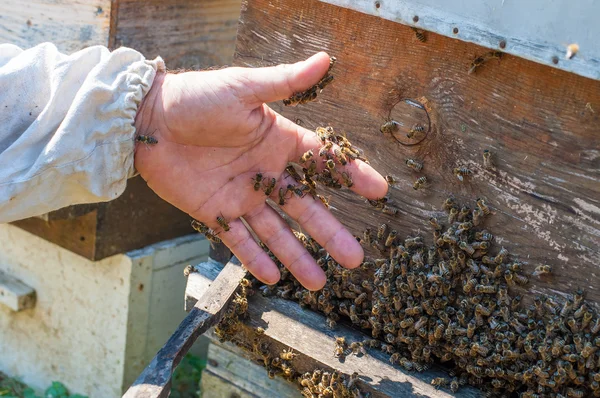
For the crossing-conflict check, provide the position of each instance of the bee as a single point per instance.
(466, 247)
(340, 156)
(257, 179)
(391, 237)
(347, 178)
(146, 139)
(291, 170)
(325, 149)
(188, 270)
(452, 215)
(282, 193)
(478, 61)
(324, 200)
(449, 203)
(470, 285)
(415, 130)
(269, 186)
(389, 127)
(461, 172)
(390, 180)
(572, 50)
(486, 289)
(487, 159)
(420, 35)
(420, 183)
(223, 223)
(484, 235)
(483, 207)
(439, 382)
(454, 386)
(330, 164)
(392, 211)
(542, 270)
(288, 355)
(308, 155)
(414, 164)
(381, 231)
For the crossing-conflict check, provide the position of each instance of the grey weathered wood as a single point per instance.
(535, 29)
(287, 325)
(155, 380)
(240, 375)
(15, 294)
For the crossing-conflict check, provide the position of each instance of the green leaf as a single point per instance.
(57, 390)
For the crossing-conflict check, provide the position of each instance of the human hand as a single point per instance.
(214, 133)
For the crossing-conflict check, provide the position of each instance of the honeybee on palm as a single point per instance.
(269, 186)
(347, 179)
(257, 179)
(306, 156)
(223, 223)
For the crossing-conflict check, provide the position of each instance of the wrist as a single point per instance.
(150, 105)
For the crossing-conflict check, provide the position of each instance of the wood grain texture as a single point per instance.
(540, 123)
(288, 325)
(70, 24)
(187, 34)
(155, 380)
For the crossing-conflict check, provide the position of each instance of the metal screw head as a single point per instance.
(416, 18)
(377, 4)
(503, 44)
(555, 60)
(455, 30)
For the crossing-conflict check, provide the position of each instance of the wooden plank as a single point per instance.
(187, 34)
(134, 220)
(15, 294)
(70, 24)
(155, 380)
(539, 123)
(288, 325)
(232, 373)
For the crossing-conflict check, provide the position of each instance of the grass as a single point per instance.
(186, 383)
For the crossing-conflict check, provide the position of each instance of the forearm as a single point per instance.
(67, 125)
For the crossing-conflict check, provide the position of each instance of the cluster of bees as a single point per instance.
(320, 383)
(311, 93)
(451, 302)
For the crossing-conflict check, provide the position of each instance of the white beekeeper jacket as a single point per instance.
(67, 125)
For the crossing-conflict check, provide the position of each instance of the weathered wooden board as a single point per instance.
(540, 123)
(187, 34)
(70, 24)
(288, 325)
(227, 373)
(15, 294)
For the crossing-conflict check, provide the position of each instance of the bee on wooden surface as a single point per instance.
(420, 35)
(420, 183)
(572, 50)
(223, 223)
(542, 270)
(435, 224)
(478, 61)
(414, 164)
(461, 172)
(269, 186)
(452, 215)
(288, 355)
(390, 210)
(487, 159)
(483, 206)
(483, 235)
(389, 127)
(146, 139)
(256, 180)
(415, 130)
(188, 270)
(308, 155)
(381, 232)
(390, 180)
(391, 237)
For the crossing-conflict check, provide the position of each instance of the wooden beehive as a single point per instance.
(539, 119)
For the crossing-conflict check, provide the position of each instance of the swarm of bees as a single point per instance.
(450, 302)
(146, 139)
(321, 383)
(311, 93)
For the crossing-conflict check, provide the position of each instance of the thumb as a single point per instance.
(282, 81)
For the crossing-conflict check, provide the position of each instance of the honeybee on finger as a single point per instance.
(340, 156)
(306, 156)
(223, 223)
(282, 193)
(325, 148)
(347, 178)
(324, 200)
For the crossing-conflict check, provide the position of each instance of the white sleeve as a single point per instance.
(67, 125)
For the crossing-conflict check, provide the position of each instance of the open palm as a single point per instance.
(214, 134)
